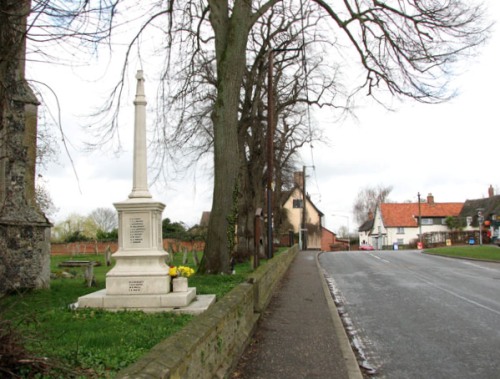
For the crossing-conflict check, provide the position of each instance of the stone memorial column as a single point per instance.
(140, 278)
(140, 260)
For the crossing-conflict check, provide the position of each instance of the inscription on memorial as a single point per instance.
(137, 229)
(135, 285)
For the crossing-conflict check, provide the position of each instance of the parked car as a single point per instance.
(365, 247)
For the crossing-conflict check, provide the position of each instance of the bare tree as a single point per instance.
(405, 47)
(408, 47)
(44, 200)
(367, 201)
(106, 219)
(292, 129)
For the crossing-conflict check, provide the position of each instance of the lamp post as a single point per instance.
(348, 232)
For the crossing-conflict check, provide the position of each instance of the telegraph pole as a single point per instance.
(270, 154)
(419, 220)
(270, 148)
(303, 223)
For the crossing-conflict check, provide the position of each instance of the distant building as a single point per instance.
(365, 229)
(398, 223)
(312, 219)
(484, 212)
(328, 240)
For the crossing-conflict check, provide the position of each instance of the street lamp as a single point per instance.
(348, 233)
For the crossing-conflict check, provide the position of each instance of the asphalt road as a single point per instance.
(420, 316)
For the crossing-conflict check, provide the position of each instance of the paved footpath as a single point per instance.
(300, 334)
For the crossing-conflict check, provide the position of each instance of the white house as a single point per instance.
(398, 223)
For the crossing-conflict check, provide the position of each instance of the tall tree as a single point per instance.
(404, 47)
(292, 93)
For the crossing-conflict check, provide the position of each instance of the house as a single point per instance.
(484, 211)
(328, 240)
(365, 229)
(312, 218)
(314, 233)
(397, 224)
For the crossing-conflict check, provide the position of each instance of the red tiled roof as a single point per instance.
(406, 214)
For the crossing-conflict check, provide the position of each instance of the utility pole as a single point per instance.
(303, 223)
(419, 220)
(270, 148)
(270, 154)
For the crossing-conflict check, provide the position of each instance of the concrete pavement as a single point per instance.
(300, 335)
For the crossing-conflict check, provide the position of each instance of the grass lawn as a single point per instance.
(487, 252)
(92, 343)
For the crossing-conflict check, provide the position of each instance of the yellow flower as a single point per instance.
(173, 271)
(185, 271)
(181, 271)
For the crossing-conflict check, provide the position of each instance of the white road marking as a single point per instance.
(379, 258)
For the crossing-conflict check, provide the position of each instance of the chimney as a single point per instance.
(491, 192)
(298, 178)
(430, 199)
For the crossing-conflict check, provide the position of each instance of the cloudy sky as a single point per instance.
(449, 150)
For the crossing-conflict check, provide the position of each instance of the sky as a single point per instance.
(449, 150)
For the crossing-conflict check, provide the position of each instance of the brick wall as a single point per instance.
(76, 248)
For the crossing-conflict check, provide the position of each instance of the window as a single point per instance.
(427, 221)
(400, 230)
(401, 241)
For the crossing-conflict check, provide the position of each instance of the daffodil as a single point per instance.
(185, 271)
(181, 271)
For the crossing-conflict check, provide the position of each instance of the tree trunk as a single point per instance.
(231, 33)
(252, 192)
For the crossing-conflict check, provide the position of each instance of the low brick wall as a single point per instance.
(213, 342)
(93, 247)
